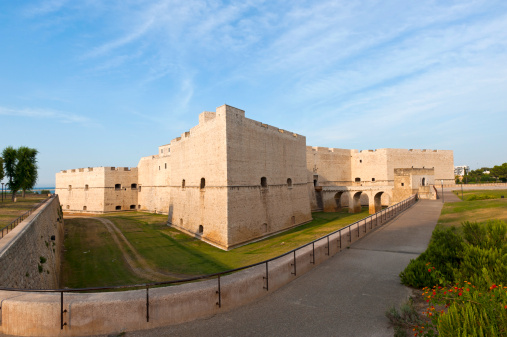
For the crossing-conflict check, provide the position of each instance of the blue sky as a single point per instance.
(103, 83)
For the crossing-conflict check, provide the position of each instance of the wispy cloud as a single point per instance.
(45, 7)
(62, 117)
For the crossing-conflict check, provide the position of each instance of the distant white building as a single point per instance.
(460, 170)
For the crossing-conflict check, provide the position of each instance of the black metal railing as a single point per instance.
(14, 223)
(378, 219)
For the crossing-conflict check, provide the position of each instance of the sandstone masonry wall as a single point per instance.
(97, 189)
(29, 258)
(267, 178)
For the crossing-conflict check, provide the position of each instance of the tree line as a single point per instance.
(20, 168)
(497, 172)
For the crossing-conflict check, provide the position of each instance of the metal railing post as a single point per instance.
(147, 303)
(313, 253)
(294, 264)
(219, 292)
(62, 311)
(267, 277)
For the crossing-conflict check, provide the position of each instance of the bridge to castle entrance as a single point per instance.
(335, 197)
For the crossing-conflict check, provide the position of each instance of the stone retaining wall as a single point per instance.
(30, 253)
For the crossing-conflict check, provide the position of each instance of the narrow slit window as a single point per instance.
(264, 182)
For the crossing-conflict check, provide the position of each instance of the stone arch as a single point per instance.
(338, 201)
(355, 202)
(377, 203)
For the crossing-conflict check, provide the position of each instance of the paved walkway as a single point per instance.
(344, 296)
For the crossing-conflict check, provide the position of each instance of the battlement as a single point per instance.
(99, 169)
(321, 149)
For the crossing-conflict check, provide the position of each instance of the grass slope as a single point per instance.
(93, 259)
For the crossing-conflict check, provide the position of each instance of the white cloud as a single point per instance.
(59, 116)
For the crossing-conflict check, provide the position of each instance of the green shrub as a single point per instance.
(479, 264)
(436, 265)
(480, 197)
(420, 273)
(472, 311)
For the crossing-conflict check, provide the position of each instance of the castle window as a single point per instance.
(402, 184)
(183, 183)
(357, 180)
(181, 221)
(360, 160)
(84, 208)
(203, 183)
(117, 187)
(139, 188)
(264, 182)
(264, 227)
(372, 179)
(86, 187)
(159, 168)
(133, 186)
(118, 208)
(132, 206)
(201, 229)
(68, 207)
(70, 187)
(293, 220)
(165, 165)
(139, 206)
(289, 182)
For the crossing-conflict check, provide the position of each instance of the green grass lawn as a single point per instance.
(93, 259)
(9, 210)
(471, 195)
(454, 213)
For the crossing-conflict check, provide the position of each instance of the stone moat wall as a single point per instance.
(30, 254)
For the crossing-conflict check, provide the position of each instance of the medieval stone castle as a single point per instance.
(230, 180)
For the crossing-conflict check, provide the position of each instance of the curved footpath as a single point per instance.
(345, 296)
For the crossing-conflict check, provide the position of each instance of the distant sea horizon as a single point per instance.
(35, 189)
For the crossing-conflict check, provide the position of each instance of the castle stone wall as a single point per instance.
(267, 177)
(94, 189)
(199, 156)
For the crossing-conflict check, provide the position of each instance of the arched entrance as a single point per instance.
(423, 183)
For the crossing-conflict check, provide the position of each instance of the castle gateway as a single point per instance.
(230, 179)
